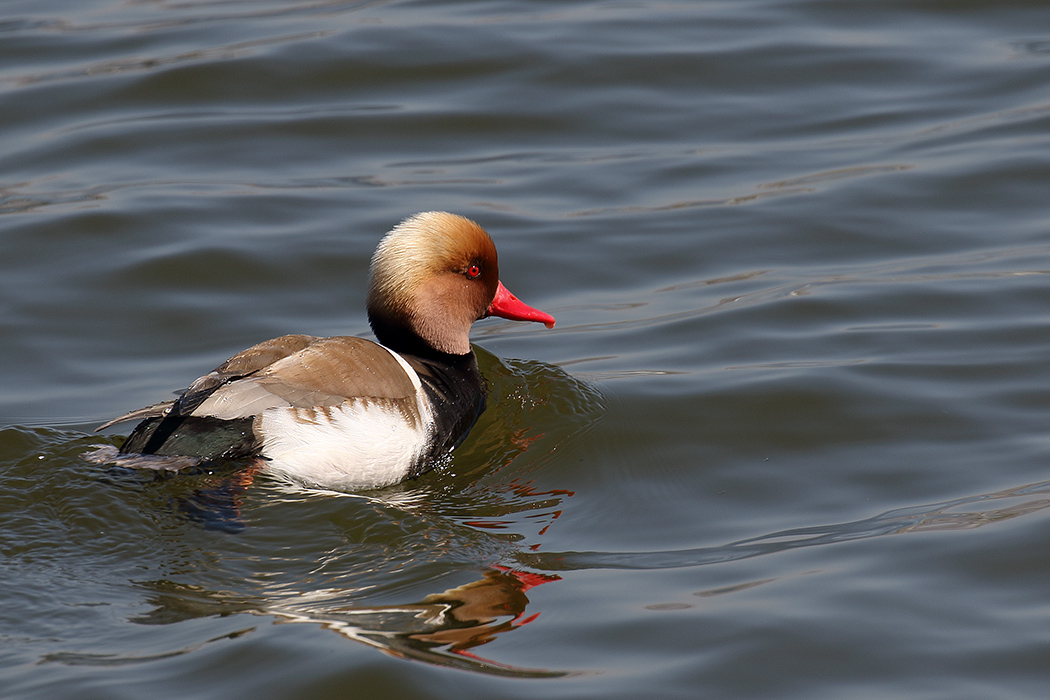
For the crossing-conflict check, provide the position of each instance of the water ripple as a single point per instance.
(956, 514)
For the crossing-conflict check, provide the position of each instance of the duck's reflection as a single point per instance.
(442, 628)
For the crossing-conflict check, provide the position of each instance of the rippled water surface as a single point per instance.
(787, 440)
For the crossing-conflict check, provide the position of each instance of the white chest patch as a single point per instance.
(360, 444)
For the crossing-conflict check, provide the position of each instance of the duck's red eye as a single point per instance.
(473, 272)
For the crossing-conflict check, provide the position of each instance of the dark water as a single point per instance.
(787, 440)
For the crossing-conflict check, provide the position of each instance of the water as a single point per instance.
(788, 438)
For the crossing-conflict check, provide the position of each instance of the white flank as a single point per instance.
(360, 444)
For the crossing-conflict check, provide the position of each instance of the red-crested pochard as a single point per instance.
(347, 413)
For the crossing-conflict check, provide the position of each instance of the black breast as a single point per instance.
(457, 392)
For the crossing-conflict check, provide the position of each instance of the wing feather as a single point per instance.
(327, 372)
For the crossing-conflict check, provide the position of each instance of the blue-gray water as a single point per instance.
(787, 440)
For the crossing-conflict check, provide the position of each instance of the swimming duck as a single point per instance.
(344, 412)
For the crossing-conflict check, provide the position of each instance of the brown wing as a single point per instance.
(264, 354)
(326, 372)
(243, 364)
(341, 367)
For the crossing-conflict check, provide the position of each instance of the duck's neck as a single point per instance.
(403, 340)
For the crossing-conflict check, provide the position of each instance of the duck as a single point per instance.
(348, 413)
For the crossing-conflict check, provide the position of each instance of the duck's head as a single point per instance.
(433, 275)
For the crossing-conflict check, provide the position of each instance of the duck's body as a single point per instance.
(345, 412)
